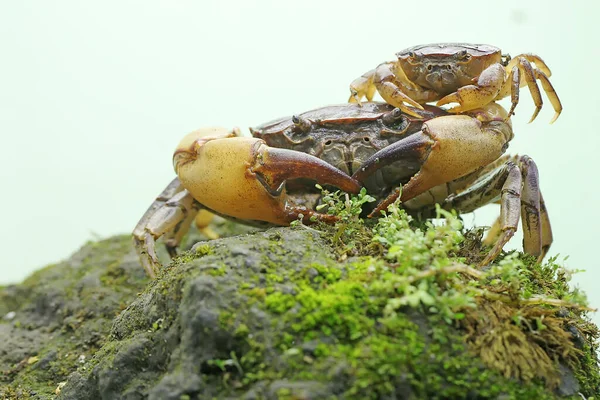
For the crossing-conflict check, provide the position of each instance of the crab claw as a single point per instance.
(447, 148)
(244, 178)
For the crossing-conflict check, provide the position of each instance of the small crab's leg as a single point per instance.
(551, 93)
(470, 97)
(395, 88)
(513, 84)
(362, 86)
(174, 210)
(531, 75)
(532, 58)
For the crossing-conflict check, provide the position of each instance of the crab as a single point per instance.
(269, 179)
(471, 75)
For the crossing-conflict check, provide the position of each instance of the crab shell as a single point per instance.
(345, 137)
(445, 67)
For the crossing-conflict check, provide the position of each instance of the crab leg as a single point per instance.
(546, 229)
(171, 213)
(530, 208)
(246, 179)
(516, 185)
(522, 64)
(506, 183)
(551, 93)
(529, 75)
(362, 86)
(532, 58)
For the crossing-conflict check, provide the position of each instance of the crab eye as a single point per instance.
(412, 54)
(429, 67)
(463, 55)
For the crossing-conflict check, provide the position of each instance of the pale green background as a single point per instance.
(95, 95)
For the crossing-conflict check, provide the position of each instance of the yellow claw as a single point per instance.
(244, 178)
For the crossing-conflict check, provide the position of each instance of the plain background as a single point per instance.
(94, 96)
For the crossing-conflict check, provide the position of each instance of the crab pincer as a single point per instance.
(447, 148)
(244, 178)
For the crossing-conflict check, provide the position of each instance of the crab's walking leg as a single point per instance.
(505, 182)
(203, 220)
(532, 58)
(516, 184)
(362, 86)
(171, 213)
(551, 93)
(530, 208)
(493, 233)
(529, 75)
(546, 230)
(521, 64)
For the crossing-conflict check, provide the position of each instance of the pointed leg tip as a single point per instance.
(451, 98)
(556, 115)
(409, 111)
(535, 114)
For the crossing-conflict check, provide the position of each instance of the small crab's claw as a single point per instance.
(447, 148)
(244, 178)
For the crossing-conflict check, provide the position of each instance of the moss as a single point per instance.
(379, 349)
(392, 325)
(68, 307)
(360, 310)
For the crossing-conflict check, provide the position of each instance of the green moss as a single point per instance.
(395, 310)
(80, 321)
(417, 318)
(380, 350)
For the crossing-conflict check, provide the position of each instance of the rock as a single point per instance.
(266, 315)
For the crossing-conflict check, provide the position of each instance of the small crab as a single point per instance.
(269, 179)
(471, 75)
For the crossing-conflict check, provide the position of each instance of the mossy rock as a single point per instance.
(278, 314)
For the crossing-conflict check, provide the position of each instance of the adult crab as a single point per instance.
(471, 75)
(454, 160)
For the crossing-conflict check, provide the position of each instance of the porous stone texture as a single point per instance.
(218, 323)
